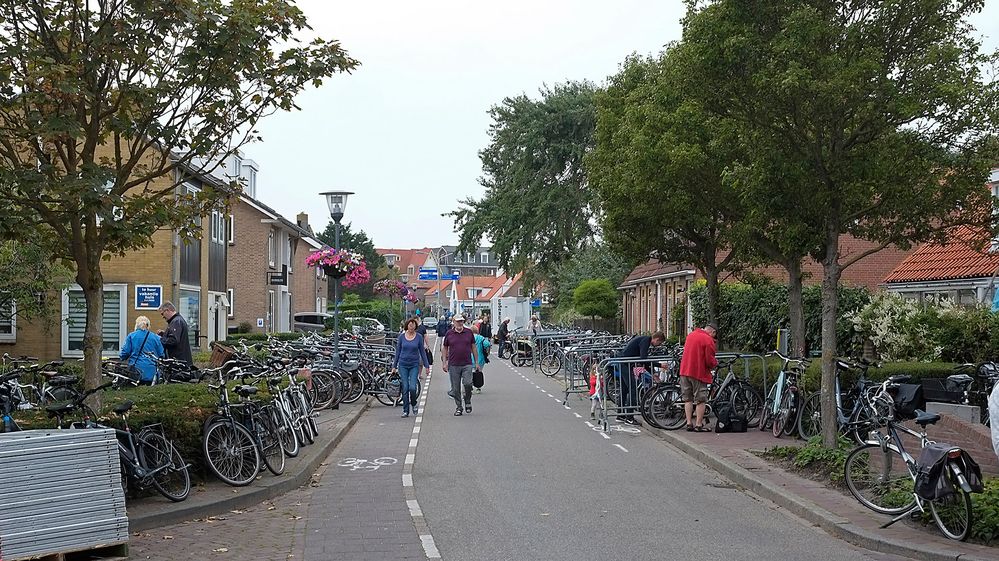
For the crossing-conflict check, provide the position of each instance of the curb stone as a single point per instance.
(832, 524)
(254, 495)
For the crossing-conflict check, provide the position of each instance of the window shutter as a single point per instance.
(110, 322)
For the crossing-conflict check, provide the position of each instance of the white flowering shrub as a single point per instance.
(901, 330)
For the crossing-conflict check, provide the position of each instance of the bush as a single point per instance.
(810, 382)
(827, 464)
(985, 510)
(751, 314)
(284, 336)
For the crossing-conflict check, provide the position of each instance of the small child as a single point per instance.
(596, 385)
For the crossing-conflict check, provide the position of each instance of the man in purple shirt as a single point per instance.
(458, 354)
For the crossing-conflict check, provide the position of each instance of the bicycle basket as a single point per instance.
(908, 398)
(938, 389)
(220, 355)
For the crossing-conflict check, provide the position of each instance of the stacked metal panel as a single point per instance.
(60, 491)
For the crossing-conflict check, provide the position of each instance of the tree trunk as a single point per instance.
(714, 294)
(795, 305)
(830, 312)
(91, 280)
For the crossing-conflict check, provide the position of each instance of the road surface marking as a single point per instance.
(603, 434)
(414, 508)
(429, 547)
(413, 442)
(407, 480)
(578, 416)
(410, 458)
(621, 447)
(416, 430)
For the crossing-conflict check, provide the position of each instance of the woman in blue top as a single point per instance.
(481, 344)
(137, 344)
(410, 361)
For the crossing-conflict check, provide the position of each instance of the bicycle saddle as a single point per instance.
(960, 379)
(124, 407)
(64, 380)
(246, 390)
(900, 378)
(923, 418)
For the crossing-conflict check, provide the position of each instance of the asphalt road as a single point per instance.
(523, 478)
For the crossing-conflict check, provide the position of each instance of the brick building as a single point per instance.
(190, 274)
(654, 295)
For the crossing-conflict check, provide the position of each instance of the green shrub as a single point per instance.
(810, 382)
(985, 510)
(827, 463)
(284, 336)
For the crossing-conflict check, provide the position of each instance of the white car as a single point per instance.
(369, 324)
(430, 322)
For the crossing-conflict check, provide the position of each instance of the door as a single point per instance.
(217, 314)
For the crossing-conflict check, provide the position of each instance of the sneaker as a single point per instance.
(457, 412)
(478, 390)
(633, 422)
(405, 414)
(468, 409)
(450, 394)
(620, 419)
(416, 411)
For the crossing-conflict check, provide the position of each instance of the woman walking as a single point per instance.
(410, 361)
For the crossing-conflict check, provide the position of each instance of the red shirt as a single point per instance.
(698, 356)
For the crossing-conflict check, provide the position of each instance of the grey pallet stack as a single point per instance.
(60, 492)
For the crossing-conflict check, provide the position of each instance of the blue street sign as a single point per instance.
(536, 303)
(428, 270)
(428, 276)
(452, 276)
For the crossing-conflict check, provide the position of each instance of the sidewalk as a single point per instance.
(836, 512)
(215, 497)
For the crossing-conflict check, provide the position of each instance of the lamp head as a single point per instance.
(337, 203)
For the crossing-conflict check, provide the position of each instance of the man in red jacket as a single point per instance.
(695, 373)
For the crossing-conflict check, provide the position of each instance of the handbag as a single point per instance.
(132, 371)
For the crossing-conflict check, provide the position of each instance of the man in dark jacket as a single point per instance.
(638, 347)
(174, 339)
(486, 328)
(502, 334)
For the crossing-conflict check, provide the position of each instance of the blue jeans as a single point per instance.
(410, 382)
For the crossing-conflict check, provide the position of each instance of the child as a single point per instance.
(596, 386)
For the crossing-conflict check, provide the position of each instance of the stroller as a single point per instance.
(523, 351)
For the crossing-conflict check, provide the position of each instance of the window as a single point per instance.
(271, 248)
(8, 319)
(218, 227)
(484, 257)
(291, 254)
(410, 270)
(232, 224)
(232, 302)
(189, 307)
(520, 291)
(113, 322)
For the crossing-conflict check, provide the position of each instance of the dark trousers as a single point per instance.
(629, 391)
(461, 377)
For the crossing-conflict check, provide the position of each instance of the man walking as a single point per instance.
(638, 347)
(458, 354)
(486, 328)
(502, 334)
(695, 374)
(174, 339)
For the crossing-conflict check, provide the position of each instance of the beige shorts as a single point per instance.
(692, 389)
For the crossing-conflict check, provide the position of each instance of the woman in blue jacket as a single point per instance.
(137, 345)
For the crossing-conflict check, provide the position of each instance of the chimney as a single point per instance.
(303, 221)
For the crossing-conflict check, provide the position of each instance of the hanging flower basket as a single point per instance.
(391, 287)
(340, 264)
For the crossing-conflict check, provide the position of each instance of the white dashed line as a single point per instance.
(407, 480)
(578, 416)
(413, 442)
(410, 458)
(621, 447)
(416, 430)
(567, 407)
(429, 547)
(589, 424)
(414, 508)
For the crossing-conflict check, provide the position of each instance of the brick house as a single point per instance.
(654, 295)
(192, 275)
(268, 279)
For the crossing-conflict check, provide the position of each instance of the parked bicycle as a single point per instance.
(856, 412)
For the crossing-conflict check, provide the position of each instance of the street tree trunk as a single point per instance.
(714, 294)
(91, 280)
(795, 304)
(830, 311)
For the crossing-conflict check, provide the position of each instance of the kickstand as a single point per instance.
(900, 516)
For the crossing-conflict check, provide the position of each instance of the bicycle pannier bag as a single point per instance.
(930, 481)
(737, 423)
(724, 418)
(908, 398)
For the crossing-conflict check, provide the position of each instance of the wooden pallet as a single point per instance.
(103, 553)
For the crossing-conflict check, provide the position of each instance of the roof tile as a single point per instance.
(957, 258)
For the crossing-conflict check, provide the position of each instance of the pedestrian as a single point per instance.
(535, 325)
(458, 354)
(485, 328)
(695, 374)
(174, 338)
(410, 363)
(502, 334)
(141, 349)
(442, 327)
(422, 330)
(638, 347)
(482, 346)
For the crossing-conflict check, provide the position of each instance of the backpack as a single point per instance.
(729, 421)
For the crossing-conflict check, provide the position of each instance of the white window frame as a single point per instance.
(232, 228)
(291, 253)
(410, 270)
(271, 248)
(230, 294)
(12, 336)
(484, 258)
(122, 318)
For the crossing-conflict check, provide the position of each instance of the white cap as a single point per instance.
(458, 317)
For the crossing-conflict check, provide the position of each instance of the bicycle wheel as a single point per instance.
(766, 414)
(787, 414)
(285, 431)
(518, 359)
(953, 512)
(550, 365)
(746, 401)
(301, 414)
(810, 419)
(324, 390)
(392, 385)
(173, 481)
(231, 453)
(269, 440)
(667, 407)
(356, 388)
(879, 479)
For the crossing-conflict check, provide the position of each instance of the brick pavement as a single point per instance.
(350, 510)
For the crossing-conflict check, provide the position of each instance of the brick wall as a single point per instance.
(248, 266)
(306, 287)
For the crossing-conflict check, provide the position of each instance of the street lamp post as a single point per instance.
(337, 203)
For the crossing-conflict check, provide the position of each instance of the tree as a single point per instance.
(106, 107)
(28, 274)
(538, 208)
(595, 297)
(883, 104)
(658, 168)
(361, 243)
(591, 262)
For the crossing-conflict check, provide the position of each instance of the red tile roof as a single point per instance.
(960, 257)
(653, 268)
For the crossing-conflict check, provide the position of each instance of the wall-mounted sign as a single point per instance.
(148, 296)
(279, 279)
(260, 322)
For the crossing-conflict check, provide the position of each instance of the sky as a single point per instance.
(404, 130)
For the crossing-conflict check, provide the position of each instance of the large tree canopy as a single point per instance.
(595, 297)
(882, 108)
(107, 105)
(538, 208)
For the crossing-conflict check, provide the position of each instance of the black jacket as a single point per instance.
(486, 330)
(175, 340)
(503, 332)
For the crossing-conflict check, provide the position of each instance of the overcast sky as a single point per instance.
(404, 130)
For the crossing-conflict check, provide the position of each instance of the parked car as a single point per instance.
(311, 321)
(365, 324)
(430, 322)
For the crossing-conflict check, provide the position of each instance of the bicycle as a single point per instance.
(742, 398)
(881, 474)
(856, 413)
(780, 408)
